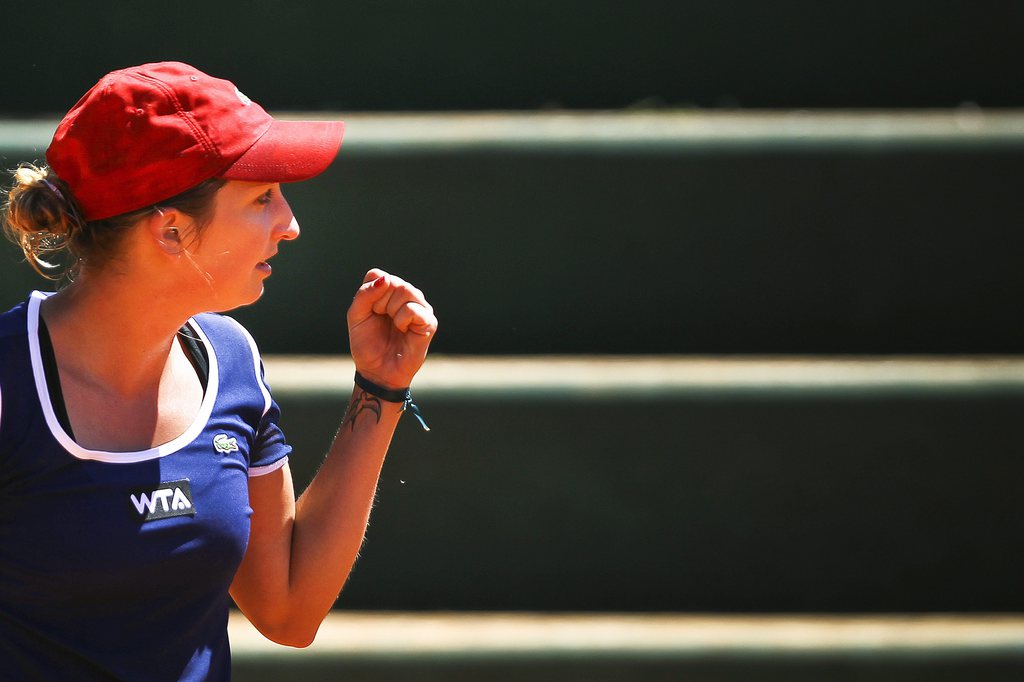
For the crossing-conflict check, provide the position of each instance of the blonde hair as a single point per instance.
(43, 218)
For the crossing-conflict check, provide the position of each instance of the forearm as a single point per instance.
(301, 552)
(332, 514)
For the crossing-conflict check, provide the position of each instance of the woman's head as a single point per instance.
(142, 136)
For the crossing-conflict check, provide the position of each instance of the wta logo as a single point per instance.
(173, 498)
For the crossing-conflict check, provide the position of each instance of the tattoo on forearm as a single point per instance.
(362, 403)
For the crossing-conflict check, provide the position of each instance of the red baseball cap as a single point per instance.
(150, 132)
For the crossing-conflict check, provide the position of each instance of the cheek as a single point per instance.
(233, 242)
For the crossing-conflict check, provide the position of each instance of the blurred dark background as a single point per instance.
(872, 243)
(416, 55)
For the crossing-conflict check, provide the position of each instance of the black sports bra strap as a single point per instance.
(194, 349)
(49, 359)
(196, 352)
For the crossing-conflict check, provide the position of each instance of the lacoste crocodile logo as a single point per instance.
(223, 444)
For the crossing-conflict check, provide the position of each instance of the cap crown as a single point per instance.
(150, 132)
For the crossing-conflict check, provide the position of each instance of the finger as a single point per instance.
(395, 285)
(366, 298)
(399, 292)
(402, 295)
(415, 318)
(373, 274)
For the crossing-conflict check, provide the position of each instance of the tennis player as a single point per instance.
(143, 475)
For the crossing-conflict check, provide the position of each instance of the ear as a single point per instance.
(164, 229)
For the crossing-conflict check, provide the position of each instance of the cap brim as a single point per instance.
(289, 151)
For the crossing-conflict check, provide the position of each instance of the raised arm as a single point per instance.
(300, 553)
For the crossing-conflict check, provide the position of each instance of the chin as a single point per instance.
(224, 304)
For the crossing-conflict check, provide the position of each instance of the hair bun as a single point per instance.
(40, 217)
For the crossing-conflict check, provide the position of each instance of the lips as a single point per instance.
(264, 263)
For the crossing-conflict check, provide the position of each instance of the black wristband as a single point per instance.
(401, 395)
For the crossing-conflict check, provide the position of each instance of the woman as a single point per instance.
(143, 476)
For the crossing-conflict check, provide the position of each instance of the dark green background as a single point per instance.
(877, 250)
(815, 500)
(460, 54)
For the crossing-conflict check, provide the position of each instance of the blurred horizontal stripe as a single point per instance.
(668, 131)
(596, 376)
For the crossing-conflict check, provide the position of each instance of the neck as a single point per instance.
(118, 335)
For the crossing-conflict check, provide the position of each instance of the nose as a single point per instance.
(291, 229)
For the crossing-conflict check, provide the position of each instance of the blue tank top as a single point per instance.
(116, 565)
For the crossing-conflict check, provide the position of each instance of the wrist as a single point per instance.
(387, 393)
(401, 395)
